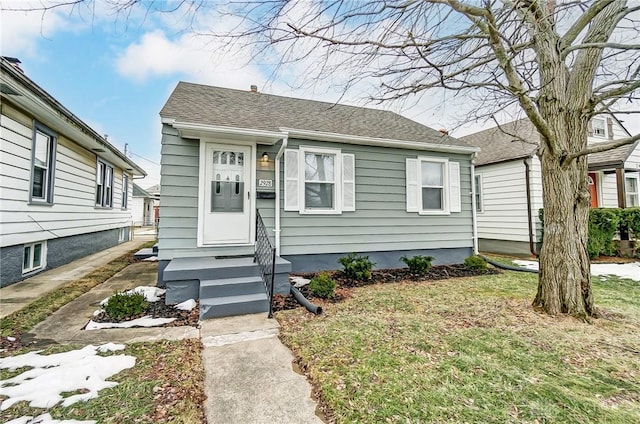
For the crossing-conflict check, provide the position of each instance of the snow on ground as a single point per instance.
(151, 294)
(46, 419)
(187, 305)
(51, 375)
(138, 322)
(629, 270)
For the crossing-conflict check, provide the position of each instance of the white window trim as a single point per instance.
(43, 256)
(49, 176)
(604, 127)
(445, 186)
(637, 193)
(337, 181)
(125, 192)
(103, 204)
(479, 194)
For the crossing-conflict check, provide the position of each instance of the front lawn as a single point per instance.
(470, 350)
(165, 386)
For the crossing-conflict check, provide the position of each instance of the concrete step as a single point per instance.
(233, 305)
(231, 287)
(145, 253)
(209, 268)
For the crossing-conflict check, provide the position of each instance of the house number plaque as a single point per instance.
(265, 183)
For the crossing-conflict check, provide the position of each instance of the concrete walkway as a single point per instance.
(249, 374)
(18, 295)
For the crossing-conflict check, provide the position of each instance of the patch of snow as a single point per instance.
(151, 294)
(46, 419)
(98, 312)
(187, 305)
(11, 339)
(54, 374)
(299, 281)
(629, 270)
(138, 322)
(110, 347)
(151, 259)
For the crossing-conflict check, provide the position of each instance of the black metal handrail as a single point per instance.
(265, 256)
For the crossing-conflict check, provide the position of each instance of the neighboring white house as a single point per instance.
(509, 184)
(65, 191)
(142, 207)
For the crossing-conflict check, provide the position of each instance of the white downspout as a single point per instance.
(285, 140)
(473, 204)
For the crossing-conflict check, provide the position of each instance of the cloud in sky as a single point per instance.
(21, 31)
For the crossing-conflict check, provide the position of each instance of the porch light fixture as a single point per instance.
(265, 157)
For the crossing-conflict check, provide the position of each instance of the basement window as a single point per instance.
(33, 257)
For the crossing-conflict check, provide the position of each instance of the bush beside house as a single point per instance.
(605, 225)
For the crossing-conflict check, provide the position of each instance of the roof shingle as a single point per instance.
(520, 139)
(202, 104)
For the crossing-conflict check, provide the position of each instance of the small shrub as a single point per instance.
(603, 224)
(356, 267)
(630, 218)
(418, 265)
(322, 285)
(475, 262)
(125, 305)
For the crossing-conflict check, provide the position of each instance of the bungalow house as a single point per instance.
(316, 180)
(508, 181)
(141, 207)
(65, 191)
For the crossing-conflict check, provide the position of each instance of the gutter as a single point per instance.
(285, 141)
(474, 217)
(373, 141)
(527, 178)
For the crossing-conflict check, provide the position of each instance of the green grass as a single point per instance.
(165, 385)
(471, 350)
(26, 318)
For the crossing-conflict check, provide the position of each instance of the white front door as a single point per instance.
(227, 194)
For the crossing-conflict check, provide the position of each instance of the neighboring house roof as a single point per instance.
(216, 106)
(519, 139)
(140, 192)
(24, 92)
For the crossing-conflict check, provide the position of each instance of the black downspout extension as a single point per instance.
(315, 309)
(527, 177)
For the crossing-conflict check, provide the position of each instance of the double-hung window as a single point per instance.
(42, 164)
(319, 181)
(631, 190)
(598, 126)
(33, 256)
(125, 191)
(478, 189)
(432, 185)
(104, 185)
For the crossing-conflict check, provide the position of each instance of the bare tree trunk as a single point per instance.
(564, 283)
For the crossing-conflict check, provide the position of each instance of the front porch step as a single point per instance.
(233, 305)
(231, 287)
(209, 268)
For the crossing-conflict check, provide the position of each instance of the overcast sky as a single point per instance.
(116, 72)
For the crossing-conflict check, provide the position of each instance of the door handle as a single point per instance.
(248, 195)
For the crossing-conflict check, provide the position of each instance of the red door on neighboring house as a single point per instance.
(593, 189)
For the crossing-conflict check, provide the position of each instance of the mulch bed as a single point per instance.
(158, 309)
(379, 276)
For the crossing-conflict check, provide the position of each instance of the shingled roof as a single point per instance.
(519, 139)
(202, 104)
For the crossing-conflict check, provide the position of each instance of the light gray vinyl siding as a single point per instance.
(608, 191)
(380, 221)
(178, 227)
(72, 211)
(504, 216)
